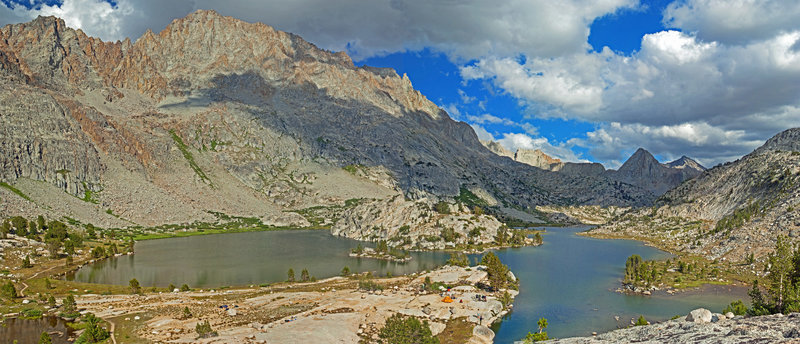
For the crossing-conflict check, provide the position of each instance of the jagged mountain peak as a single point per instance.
(685, 162)
(640, 159)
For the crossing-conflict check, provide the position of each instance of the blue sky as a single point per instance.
(582, 80)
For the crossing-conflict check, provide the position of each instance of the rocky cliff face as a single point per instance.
(214, 114)
(731, 210)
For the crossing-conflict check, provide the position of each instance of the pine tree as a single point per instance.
(68, 305)
(69, 247)
(41, 223)
(304, 276)
(290, 277)
(780, 271)
(632, 268)
(135, 287)
(497, 271)
(93, 333)
(5, 229)
(26, 262)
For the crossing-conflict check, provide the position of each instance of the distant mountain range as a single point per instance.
(641, 169)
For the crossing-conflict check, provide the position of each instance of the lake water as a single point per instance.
(570, 280)
(29, 331)
(211, 261)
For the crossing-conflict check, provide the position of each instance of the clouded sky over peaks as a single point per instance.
(583, 80)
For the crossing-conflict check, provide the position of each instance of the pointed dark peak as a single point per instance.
(642, 152)
(640, 157)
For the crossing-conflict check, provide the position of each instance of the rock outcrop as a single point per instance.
(415, 225)
(777, 328)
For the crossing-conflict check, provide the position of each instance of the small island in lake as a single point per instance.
(382, 252)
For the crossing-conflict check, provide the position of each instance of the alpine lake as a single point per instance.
(570, 280)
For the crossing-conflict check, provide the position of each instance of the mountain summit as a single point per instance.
(642, 169)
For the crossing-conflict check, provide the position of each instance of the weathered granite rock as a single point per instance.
(700, 316)
(762, 329)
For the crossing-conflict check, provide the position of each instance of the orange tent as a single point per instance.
(447, 299)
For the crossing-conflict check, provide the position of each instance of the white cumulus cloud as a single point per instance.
(734, 21)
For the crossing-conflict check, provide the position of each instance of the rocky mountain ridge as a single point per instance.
(730, 211)
(214, 115)
(641, 169)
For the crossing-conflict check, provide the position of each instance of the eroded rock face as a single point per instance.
(49, 146)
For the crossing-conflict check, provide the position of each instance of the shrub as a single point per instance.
(135, 288)
(442, 207)
(98, 252)
(538, 336)
(369, 286)
(449, 235)
(31, 313)
(185, 287)
(7, 291)
(401, 329)
(45, 338)
(736, 307)
(204, 330)
(641, 321)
